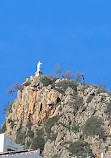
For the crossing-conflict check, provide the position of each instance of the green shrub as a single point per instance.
(12, 123)
(30, 134)
(38, 141)
(20, 137)
(89, 99)
(78, 104)
(79, 148)
(108, 110)
(28, 144)
(50, 122)
(93, 127)
(48, 125)
(53, 83)
(52, 136)
(46, 80)
(29, 125)
(3, 128)
(55, 156)
(63, 85)
(75, 128)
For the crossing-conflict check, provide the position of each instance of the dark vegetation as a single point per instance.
(78, 104)
(64, 84)
(75, 128)
(46, 80)
(108, 110)
(20, 137)
(48, 125)
(30, 134)
(50, 122)
(29, 125)
(12, 123)
(38, 141)
(55, 156)
(89, 99)
(80, 148)
(93, 126)
(60, 86)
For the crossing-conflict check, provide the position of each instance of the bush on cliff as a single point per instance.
(20, 137)
(108, 110)
(79, 148)
(28, 125)
(38, 142)
(93, 126)
(75, 128)
(64, 84)
(50, 122)
(46, 80)
(30, 134)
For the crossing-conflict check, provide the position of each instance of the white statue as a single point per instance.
(38, 66)
(38, 69)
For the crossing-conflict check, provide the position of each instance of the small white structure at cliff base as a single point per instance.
(7, 145)
(38, 72)
(9, 149)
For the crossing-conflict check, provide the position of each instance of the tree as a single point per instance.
(51, 76)
(58, 70)
(68, 75)
(7, 108)
(80, 77)
(102, 86)
(15, 88)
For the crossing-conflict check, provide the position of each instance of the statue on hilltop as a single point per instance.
(38, 72)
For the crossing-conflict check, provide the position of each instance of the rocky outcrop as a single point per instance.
(72, 102)
(34, 104)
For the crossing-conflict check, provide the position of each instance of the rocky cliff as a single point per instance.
(63, 118)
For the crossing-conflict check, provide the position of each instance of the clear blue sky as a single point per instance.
(74, 33)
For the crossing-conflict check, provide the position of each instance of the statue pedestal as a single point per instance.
(37, 74)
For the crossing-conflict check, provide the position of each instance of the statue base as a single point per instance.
(38, 74)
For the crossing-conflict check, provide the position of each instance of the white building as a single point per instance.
(9, 149)
(7, 144)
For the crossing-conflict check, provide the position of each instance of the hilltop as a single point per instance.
(62, 117)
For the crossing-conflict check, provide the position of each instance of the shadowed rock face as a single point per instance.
(37, 104)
